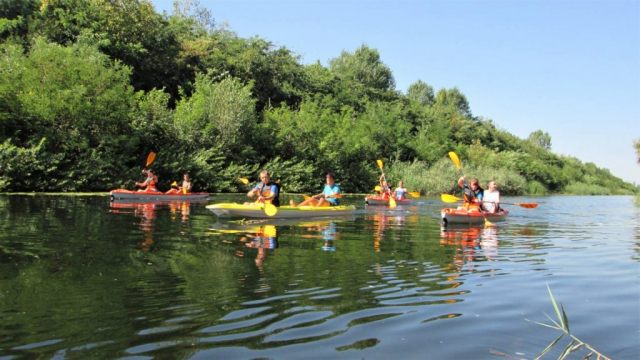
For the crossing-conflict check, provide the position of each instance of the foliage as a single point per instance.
(562, 324)
(107, 82)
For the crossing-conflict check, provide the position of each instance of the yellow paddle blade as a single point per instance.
(392, 202)
(379, 163)
(456, 160)
(270, 209)
(150, 158)
(414, 194)
(488, 223)
(270, 231)
(174, 184)
(306, 197)
(449, 198)
(377, 188)
(337, 196)
(526, 205)
(243, 180)
(184, 191)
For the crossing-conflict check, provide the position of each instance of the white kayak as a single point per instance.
(121, 194)
(232, 210)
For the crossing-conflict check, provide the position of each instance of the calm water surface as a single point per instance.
(81, 277)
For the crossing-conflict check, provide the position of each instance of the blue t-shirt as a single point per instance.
(401, 194)
(332, 190)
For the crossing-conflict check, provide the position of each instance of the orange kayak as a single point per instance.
(120, 194)
(379, 200)
(455, 216)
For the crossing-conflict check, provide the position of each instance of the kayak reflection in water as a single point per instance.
(330, 195)
(475, 243)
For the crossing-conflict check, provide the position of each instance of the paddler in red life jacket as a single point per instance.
(472, 194)
(266, 190)
(150, 182)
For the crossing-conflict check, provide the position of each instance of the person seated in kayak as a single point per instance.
(400, 193)
(385, 190)
(150, 182)
(266, 190)
(491, 198)
(473, 194)
(328, 197)
(184, 189)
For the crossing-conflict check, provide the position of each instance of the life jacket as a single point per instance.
(263, 188)
(470, 196)
(151, 183)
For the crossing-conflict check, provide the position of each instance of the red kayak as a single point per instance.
(455, 216)
(120, 194)
(384, 200)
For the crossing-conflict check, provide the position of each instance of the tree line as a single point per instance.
(89, 87)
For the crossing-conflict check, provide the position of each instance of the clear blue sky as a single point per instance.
(570, 68)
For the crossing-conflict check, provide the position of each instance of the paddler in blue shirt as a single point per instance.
(328, 197)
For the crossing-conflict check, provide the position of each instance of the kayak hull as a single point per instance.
(455, 216)
(256, 211)
(121, 194)
(377, 200)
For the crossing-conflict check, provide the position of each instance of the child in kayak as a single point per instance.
(184, 189)
(328, 197)
(385, 190)
(491, 198)
(150, 182)
(400, 193)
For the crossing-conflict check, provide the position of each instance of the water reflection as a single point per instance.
(146, 212)
(474, 243)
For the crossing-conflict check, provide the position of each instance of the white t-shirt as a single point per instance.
(489, 200)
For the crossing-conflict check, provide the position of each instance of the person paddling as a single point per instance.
(385, 190)
(328, 196)
(150, 182)
(473, 194)
(266, 190)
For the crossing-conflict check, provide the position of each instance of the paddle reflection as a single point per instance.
(266, 238)
(384, 219)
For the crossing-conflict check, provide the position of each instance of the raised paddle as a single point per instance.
(451, 199)
(150, 158)
(456, 161)
(392, 201)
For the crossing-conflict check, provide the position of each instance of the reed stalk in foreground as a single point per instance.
(562, 324)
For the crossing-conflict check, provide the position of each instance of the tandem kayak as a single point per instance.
(120, 194)
(379, 200)
(455, 216)
(228, 210)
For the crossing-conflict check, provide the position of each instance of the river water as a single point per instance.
(81, 277)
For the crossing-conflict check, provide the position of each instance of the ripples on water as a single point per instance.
(81, 277)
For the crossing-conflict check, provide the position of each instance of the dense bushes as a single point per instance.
(89, 87)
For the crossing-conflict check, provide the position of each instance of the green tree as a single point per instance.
(636, 144)
(541, 139)
(421, 92)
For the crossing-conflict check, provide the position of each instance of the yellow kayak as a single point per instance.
(233, 210)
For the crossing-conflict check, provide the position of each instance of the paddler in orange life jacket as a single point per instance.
(266, 190)
(150, 182)
(385, 191)
(472, 194)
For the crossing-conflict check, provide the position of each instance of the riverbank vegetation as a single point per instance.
(89, 87)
